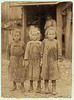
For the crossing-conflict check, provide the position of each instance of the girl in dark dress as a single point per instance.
(51, 55)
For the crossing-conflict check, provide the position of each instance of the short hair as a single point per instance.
(35, 29)
(50, 28)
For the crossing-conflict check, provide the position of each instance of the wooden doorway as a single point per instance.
(36, 15)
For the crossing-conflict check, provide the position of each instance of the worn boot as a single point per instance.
(31, 86)
(54, 87)
(46, 87)
(14, 87)
(38, 87)
(22, 87)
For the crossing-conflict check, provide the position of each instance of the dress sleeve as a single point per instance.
(42, 48)
(27, 51)
(9, 51)
(24, 46)
(59, 51)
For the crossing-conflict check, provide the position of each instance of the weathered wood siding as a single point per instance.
(68, 35)
(59, 24)
(8, 13)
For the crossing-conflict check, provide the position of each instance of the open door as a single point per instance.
(36, 15)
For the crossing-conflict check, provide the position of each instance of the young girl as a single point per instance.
(15, 51)
(51, 55)
(33, 58)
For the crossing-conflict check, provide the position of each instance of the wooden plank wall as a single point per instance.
(8, 14)
(68, 35)
(59, 24)
(5, 12)
(17, 12)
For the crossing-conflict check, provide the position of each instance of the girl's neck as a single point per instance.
(16, 41)
(50, 39)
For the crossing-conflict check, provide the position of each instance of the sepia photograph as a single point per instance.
(36, 49)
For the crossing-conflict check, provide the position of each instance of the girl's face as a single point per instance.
(51, 34)
(34, 36)
(16, 36)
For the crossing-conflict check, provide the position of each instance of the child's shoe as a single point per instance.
(46, 87)
(54, 88)
(30, 89)
(38, 90)
(54, 92)
(31, 86)
(22, 88)
(46, 90)
(38, 87)
(13, 88)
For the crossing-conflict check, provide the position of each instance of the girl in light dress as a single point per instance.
(33, 58)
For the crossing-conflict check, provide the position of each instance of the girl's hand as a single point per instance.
(23, 63)
(59, 62)
(41, 64)
(26, 63)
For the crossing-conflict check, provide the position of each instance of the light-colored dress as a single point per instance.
(51, 54)
(33, 55)
(15, 53)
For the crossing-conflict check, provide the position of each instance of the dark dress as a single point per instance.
(16, 70)
(51, 54)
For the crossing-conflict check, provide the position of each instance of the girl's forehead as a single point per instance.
(51, 31)
(16, 33)
(34, 32)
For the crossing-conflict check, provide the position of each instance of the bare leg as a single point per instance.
(54, 87)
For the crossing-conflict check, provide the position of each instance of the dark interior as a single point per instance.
(36, 15)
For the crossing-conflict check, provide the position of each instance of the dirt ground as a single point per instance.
(64, 84)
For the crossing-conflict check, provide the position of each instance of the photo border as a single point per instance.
(1, 98)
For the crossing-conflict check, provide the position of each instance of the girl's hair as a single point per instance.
(50, 28)
(14, 32)
(35, 30)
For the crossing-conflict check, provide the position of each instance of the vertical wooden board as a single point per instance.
(25, 28)
(24, 24)
(59, 24)
(68, 33)
(5, 12)
(4, 40)
(16, 11)
(10, 39)
(71, 43)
